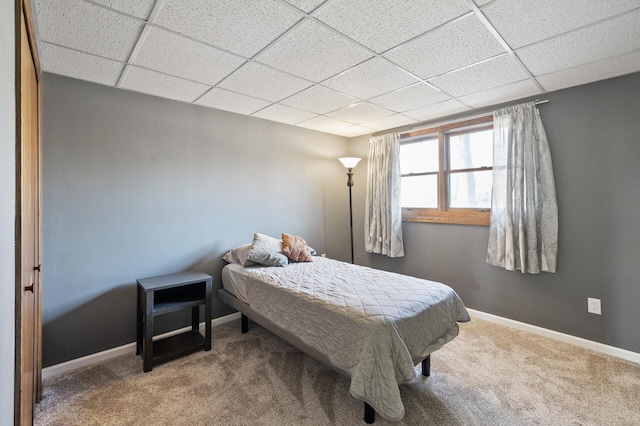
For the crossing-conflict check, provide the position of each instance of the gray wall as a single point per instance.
(7, 209)
(137, 186)
(593, 133)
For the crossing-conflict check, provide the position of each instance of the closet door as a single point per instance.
(28, 226)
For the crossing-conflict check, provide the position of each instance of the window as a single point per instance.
(447, 173)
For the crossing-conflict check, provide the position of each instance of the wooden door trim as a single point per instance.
(22, 8)
(18, 217)
(31, 34)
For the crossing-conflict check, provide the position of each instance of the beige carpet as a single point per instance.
(488, 375)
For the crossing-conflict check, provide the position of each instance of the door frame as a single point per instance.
(23, 8)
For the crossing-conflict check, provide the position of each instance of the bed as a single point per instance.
(371, 325)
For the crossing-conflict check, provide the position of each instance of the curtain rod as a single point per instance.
(382, 132)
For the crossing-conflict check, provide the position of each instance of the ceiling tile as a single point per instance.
(324, 124)
(600, 41)
(284, 114)
(263, 82)
(60, 60)
(455, 45)
(410, 97)
(476, 78)
(313, 52)
(86, 27)
(168, 52)
(613, 67)
(442, 109)
(360, 113)
(353, 131)
(383, 24)
(369, 79)
(319, 99)
(229, 101)
(315, 56)
(166, 86)
(389, 122)
(522, 22)
(240, 26)
(306, 5)
(518, 90)
(138, 8)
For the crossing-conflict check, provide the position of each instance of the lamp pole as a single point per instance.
(349, 163)
(350, 185)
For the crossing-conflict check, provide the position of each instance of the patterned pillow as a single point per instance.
(296, 248)
(267, 251)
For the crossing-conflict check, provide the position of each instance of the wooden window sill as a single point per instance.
(458, 216)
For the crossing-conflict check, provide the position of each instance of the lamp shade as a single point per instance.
(349, 162)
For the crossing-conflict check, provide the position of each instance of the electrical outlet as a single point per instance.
(593, 306)
(323, 255)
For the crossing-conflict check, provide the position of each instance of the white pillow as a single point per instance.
(267, 251)
(239, 255)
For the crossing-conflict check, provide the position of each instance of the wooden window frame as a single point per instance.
(444, 214)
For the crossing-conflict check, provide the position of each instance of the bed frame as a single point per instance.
(246, 311)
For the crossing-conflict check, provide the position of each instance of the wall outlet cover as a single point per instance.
(594, 306)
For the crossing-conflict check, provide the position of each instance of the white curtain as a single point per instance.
(383, 213)
(524, 212)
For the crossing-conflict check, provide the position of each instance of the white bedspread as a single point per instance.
(373, 324)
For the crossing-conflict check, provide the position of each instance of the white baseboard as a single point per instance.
(567, 338)
(129, 348)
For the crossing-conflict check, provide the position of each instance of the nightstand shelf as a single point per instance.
(176, 346)
(171, 293)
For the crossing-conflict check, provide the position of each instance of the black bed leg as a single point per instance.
(244, 324)
(426, 366)
(369, 414)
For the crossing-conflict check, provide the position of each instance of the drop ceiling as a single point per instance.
(347, 67)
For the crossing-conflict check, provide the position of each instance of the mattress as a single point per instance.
(235, 279)
(372, 324)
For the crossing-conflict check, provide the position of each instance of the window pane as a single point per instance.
(419, 191)
(419, 157)
(470, 189)
(471, 150)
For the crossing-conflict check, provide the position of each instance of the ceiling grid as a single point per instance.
(348, 67)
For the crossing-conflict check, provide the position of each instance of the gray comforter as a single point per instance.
(372, 324)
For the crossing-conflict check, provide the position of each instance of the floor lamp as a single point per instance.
(350, 163)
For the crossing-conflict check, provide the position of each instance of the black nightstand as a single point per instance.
(169, 293)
